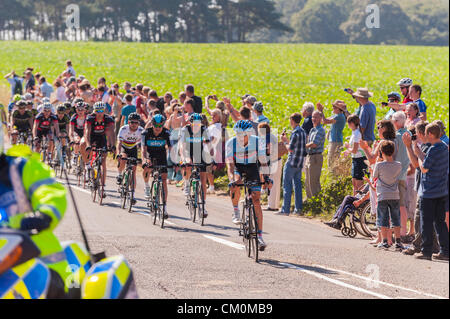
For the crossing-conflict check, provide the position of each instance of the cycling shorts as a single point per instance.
(251, 172)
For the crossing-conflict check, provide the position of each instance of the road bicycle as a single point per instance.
(127, 187)
(45, 154)
(194, 202)
(62, 159)
(25, 138)
(156, 202)
(79, 170)
(249, 225)
(95, 174)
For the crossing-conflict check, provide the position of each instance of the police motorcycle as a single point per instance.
(23, 275)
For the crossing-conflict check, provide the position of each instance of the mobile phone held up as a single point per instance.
(384, 103)
(347, 90)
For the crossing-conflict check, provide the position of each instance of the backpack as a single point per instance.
(18, 89)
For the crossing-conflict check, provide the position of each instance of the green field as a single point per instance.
(282, 76)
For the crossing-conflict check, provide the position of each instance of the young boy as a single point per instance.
(387, 174)
(433, 193)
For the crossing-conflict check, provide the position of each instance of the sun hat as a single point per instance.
(363, 93)
(340, 105)
(258, 106)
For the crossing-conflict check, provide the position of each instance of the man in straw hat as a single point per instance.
(368, 114)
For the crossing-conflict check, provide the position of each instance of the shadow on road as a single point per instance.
(281, 265)
(191, 230)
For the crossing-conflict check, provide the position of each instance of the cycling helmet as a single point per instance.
(158, 119)
(134, 117)
(243, 126)
(99, 107)
(81, 105)
(17, 98)
(68, 105)
(405, 82)
(21, 103)
(394, 95)
(29, 102)
(258, 106)
(45, 100)
(195, 117)
(47, 106)
(77, 100)
(61, 108)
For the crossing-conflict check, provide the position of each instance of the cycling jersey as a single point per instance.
(63, 122)
(156, 145)
(128, 138)
(22, 121)
(43, 123)
(78, 124)
(99, 128)
(194, 145)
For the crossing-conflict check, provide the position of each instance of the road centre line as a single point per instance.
(336, 282)
(225, 242)
(368, 279)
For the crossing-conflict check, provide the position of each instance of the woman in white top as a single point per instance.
(215, 132)
(357, 153)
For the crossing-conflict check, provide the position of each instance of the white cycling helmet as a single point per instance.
(405, 82)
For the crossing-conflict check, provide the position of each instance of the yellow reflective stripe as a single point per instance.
(122, 273)
(3, 242)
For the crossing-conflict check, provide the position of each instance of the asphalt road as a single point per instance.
(304, 258)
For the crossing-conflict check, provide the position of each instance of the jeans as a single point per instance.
(292, 177)
(386, 209)
(417, 242)
(347, 203)
(432, 213)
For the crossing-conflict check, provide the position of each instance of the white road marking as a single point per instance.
(225, 242)
(336, 282)
(368, 279)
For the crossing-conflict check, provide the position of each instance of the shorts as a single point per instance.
(99, 141)
(41, 133)
(403, 193)
(130, 152)
(252, 174)
(160, 161)
(201, 169)
(358, 167)
(80, 133)
(386, 209)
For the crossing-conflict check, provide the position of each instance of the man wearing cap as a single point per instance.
(15, 82)
(258, 109)
(336, 137)
(368, 115)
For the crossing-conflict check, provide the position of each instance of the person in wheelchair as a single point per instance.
(349, 203)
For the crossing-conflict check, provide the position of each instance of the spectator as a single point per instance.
(443, 136)
(401, 155)
(357, 153)
(215, 133)
(182, 97)
(29, 81)
(245, 113)
(15, 82)
(86, 92)
(71, 88)
(387, 174)
(127, 87)
(220, 105)
(433, 193)
(411, 193)
(115, 101)
(307, 111)
(292, 175)
(127, 109)
(258, 108)
(159, 100)
(60, 91)
(198, 105)
(167, 98)
(45, 88)
(336, 138)
(102, 82)
(368, 114)
(417, 146)
(314, 159)
(415, 92)
(404, 85)
(70, 70)
(412, 114)
(393, 98)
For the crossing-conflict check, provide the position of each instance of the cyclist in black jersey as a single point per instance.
(63, 123)
(44, 125)
(155, 144)
(21, 121)
(76, 132)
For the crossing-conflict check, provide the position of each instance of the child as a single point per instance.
(387, 174)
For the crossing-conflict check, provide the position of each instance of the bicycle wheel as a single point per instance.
(93, 186)
(162, 203)
(130, 193)
(253, 234)
(153, 203)
(244, 229)
(368, 220)
(124, 189)
(101, 188)
(201, 207)
(193, 200)
(355, 221)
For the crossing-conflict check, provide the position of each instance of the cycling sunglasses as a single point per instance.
(158, 125)
(99, 111)
(134, 122)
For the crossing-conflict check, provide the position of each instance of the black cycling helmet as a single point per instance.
(77, 100)
(68, 105)
(21, 103)
(134, 117)
(61, 108)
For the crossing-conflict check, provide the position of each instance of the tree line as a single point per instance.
(414, 22)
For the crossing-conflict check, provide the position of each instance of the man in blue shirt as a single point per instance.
(314, 159)
(433, 193)
(14, 80)
(368, 115)
(292, 174)
(307, 111)
(127, 109)
(336, 138)
(415, 93)
(45, 88)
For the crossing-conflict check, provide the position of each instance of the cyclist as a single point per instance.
(195, 149)
(76, 132)
(21, 122)
(63, 124)
(98, 133)
(129, 138)
(244, 154)
(404, 85)
(30, 107)
(70, 109)
(44, 123)
(155, 143)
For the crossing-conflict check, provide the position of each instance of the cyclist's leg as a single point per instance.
(14, 137)
(256, 196)
(203, 182)
(164, 179)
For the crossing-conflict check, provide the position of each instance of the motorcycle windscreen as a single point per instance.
(111, 278)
